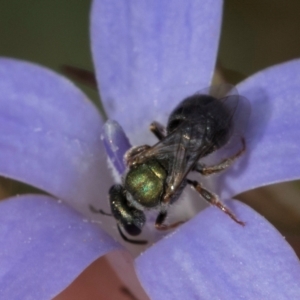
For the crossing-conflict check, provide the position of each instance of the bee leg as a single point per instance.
(224, 164)
(161, 218)
(213, 200)
(158, 130)
(133, 152)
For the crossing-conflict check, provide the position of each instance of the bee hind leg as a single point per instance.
(224, 164)
(213, 200)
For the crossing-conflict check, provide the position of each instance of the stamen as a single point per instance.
(116, 144)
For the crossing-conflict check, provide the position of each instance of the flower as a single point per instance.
(50, 138)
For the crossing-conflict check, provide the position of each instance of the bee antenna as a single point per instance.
(99, 211)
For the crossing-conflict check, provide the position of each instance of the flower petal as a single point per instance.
(44, 247)
(50, 134)
(149, 55)
(273, 136)
(211, 257)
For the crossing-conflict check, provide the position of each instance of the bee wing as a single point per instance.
(174, 147)
(162, 150)
(237, 120)
(239, 112)
(240, 109)
(181, 166)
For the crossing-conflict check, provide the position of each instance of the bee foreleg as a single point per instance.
(158, 130)
(213, 200)
(133, 152)
(224, 164)
(161, 218)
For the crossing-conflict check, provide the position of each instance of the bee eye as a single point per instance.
(132, 229)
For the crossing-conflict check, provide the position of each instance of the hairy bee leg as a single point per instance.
(161, 218)
(133, 152)
(158, 130)
(136, 150)
(224, 164)
(213, 199)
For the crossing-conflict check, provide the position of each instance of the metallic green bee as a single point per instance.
(157, 175)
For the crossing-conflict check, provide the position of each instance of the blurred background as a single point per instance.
(255, 34)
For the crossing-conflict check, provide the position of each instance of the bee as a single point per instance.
(157, 175)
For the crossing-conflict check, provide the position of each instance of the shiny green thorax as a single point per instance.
(145, 182)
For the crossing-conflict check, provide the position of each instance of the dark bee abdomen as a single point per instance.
(204, 119)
